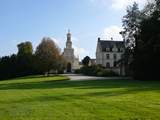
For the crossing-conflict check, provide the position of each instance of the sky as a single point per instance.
(31, 20)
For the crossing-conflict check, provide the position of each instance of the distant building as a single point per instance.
(92, 62)
(72, 61)
(109, 53)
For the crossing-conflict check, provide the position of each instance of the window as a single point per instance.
(111, 49)
(115, 64)
(107, 49)
(119, 50)
(122, 56)
(107, 65)
(107, 56)
(115, 56)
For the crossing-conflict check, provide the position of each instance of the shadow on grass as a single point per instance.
(68, 97)
(95, 84)
(87, 84)
(128, 87)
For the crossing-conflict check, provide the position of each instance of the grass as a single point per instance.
(55, 98)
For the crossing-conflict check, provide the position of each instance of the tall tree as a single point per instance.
(48, 55)
(25, 48)
(131, 23)
(25, 63)
(147, 56)
(86, 60)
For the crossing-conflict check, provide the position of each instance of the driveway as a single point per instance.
(79, 77)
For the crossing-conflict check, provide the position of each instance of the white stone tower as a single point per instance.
(69, 53)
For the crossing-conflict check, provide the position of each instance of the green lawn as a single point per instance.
(55, 98)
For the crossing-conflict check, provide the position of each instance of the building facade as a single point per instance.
(108, 53)
(72, 61)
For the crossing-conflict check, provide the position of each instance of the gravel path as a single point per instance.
(79, 77)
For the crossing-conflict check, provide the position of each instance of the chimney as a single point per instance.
(99, 39)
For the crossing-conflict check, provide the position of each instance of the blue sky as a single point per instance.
(31, 20)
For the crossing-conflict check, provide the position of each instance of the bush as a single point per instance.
(106, 73)
(96, 70)
(78, 71)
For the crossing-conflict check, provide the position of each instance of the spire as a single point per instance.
(69, 36)
(69, 42)
(69, 31)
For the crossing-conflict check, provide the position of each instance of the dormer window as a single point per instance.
(115, 49)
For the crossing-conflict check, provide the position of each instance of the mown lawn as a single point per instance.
(55, 98)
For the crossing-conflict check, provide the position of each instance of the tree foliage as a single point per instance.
(142, 37)
(25, 62)
(131, 25)
(48, 55)
(147, 56)
(25, 48)
(86, 60)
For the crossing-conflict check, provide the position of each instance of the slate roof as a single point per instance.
(110, 44)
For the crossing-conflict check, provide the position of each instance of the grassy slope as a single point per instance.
(45, 98)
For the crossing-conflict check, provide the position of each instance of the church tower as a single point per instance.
(69, 53)
(69, 42)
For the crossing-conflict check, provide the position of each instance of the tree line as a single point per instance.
(142, 40)
(47, 58)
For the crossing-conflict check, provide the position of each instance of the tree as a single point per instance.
(142, 34)
(48, 55)
(8, 68)
(131, 23)
(86, 60)
(25, 48)
(147, 56)
(25, 64)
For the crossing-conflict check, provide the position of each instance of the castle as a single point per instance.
(109, 53)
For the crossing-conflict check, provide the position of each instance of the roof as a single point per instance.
(110, 44)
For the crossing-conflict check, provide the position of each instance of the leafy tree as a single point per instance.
(86, 60)
(25, 62)
(131, 23)
(142, 34)
(8, 68)
(147, 56)
(48, 55)
(25, 48)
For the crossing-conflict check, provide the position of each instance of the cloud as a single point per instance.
(118, 4)
(79, 51)
(75, 39)
(57, 41)
(112, 32)
(122, 4)
(102, 2)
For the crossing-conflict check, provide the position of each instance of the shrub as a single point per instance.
(96, 70)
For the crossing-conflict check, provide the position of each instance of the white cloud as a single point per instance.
(79, 51)
(122, 4)
(57, 41)
(118, 4)
(102, 2)
(112, 32)
(75, 39)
